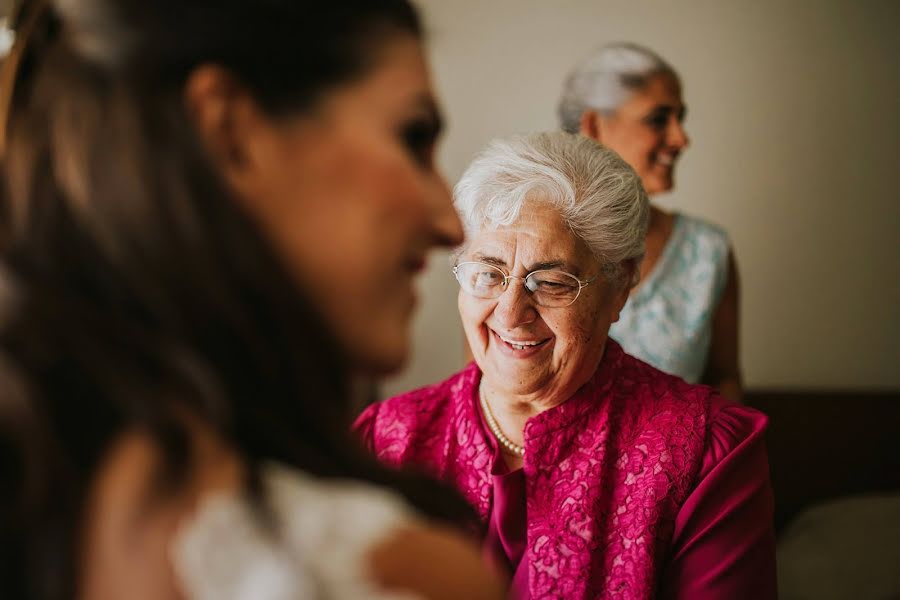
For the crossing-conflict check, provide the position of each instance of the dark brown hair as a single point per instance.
(133, 287)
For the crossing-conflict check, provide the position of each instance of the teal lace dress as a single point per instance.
(667, 321)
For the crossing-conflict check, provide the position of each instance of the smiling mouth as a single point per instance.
(666, 160)
(521, 345)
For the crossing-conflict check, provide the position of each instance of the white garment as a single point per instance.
(319, 548)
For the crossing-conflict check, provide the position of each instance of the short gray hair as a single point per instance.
(605, 79)
(598, 195)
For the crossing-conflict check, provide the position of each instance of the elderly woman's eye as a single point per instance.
(488, 278)
(554, 287)
(657, 121)
(553, 284)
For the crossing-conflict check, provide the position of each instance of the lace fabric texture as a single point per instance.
(318, 547)
(667, 321)
(606, 472)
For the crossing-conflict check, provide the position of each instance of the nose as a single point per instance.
(677, 136)
(515, 306)
(445, 222)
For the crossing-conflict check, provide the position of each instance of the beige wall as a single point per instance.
(794, 114)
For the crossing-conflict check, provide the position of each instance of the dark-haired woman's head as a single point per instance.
(314, 119)
(348, 193)
(213, 208)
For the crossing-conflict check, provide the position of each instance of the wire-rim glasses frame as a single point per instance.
(541, 298)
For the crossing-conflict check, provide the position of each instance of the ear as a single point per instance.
(620, 296)
(228, 122)
(590, 125)
(618, 302)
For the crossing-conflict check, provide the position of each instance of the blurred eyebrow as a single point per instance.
(667, 109)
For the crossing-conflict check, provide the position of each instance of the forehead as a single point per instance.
(663, 89)
(399, 75)
(538, 235)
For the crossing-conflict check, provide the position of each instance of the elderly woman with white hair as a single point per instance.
(683, 315)
(596, 475)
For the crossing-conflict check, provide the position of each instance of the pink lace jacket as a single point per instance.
(639, 486)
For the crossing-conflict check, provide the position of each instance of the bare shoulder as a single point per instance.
(436, 563)
(129, 524)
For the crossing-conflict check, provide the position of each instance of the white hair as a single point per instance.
(605, 79)
(598, 195)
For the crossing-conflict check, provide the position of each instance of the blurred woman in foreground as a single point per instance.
(172, 407)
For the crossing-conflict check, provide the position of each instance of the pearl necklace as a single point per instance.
(508, 444)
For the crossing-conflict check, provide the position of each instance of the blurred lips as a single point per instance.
(416, 265)
(666, 159)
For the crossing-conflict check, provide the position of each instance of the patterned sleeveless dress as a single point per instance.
(667, 321)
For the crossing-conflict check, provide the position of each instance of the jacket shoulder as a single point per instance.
(655, 402)
(413, 420)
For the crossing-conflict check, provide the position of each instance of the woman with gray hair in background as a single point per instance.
(596, 475)
(683, 315)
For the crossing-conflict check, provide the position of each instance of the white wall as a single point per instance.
(794, 114)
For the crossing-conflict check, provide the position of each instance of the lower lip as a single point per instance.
(526, 352)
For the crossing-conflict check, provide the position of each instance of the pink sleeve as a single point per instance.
(724, 540)
(364, 427)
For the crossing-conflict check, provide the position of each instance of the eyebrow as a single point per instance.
(666, 109)
(490, 260)
(539, 266)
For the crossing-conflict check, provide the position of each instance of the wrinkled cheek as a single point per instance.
(474, 316)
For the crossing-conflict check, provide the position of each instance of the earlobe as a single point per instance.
(617, 313)
(619, 302)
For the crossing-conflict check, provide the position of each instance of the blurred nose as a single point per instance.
(445, 222)
(515, 306)
(677, 136)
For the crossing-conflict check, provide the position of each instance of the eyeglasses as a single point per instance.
(553, 289)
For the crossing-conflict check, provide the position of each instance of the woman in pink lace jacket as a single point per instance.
(597, 475)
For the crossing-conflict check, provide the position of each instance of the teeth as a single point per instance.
(519, 345)
(665, 159)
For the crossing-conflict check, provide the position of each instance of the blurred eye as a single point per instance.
(419, 137)
(657, 121)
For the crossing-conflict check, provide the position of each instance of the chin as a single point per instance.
(382, 360)
(377, 345)
(659, 185)
(390, 355)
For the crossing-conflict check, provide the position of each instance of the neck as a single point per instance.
(512, 410)
(658, 218)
